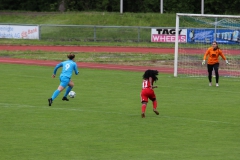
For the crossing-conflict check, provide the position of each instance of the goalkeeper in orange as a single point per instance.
(213, 53)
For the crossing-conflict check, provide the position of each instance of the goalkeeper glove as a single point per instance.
(203, 62)
(226, 62)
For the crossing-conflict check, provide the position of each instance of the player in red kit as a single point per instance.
(149, 77)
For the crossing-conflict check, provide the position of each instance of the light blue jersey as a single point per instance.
(65, 78)
(68, 67)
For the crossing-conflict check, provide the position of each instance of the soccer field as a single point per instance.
(103, 121)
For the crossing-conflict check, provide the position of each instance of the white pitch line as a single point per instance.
(119, 113)
(200, 120)
(203, 89)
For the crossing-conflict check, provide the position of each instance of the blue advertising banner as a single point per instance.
(227, 36)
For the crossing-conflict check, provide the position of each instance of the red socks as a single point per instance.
(154, 104)
(144, 106)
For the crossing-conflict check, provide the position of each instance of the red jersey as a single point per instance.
(147, 91)
(146, 84)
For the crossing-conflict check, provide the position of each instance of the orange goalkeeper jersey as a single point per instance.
(213, 55)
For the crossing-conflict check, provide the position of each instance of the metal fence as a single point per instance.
(95, 33)
(92, 33)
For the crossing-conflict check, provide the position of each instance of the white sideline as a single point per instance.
(80, 110)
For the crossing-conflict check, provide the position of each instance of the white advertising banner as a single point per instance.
(168, 35)
(19, 32)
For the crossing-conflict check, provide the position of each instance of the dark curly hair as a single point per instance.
(71, 55)
(151, 73)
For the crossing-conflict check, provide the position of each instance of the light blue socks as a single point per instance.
(67, 91)
(55, 94)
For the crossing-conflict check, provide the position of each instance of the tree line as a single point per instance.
(135, 6)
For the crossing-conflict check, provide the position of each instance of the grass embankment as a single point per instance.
(89, 18)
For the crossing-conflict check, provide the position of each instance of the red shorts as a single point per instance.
(146, 94)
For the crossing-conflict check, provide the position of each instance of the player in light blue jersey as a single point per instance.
(68, 67)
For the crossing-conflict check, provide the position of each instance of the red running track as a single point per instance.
(88, 49)
(86, 65)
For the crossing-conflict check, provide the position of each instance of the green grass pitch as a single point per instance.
(103, 121)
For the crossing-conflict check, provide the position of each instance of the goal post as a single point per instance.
(195, 33)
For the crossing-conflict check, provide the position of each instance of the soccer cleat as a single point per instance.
(143, 115)
(217, 84)
(50, 101)
(65, 99)
(210, 84)
(156, 112)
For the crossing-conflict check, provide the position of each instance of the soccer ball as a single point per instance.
(71, 94)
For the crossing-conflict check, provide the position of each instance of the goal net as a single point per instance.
(196, 32)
